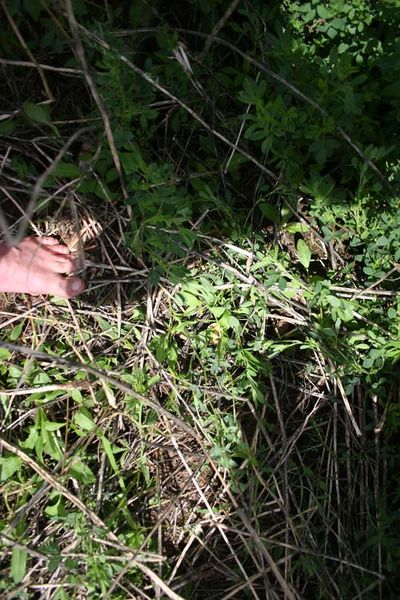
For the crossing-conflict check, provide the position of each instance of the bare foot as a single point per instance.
(37, 266)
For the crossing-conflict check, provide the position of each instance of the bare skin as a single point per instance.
(38, 266)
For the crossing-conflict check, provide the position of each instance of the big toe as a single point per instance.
(67, 287)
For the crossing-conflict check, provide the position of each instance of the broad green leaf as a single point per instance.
(282, 283)
(66, 170)
(269, 211)
(368, 362)
(32, 438)
(7, 127)
(338, 24)
(84, 420)
(310, 15)
(14, 371)
(16, 332)
(323, 12)
(53, 426)
(303, 253)
(234, 323)
(303, 8)
(9, 465)
(76, 396)
(57, 509)
(4, 354)
(334, 301)
(132, 162)
(343, 48)
(217, 311)
(37, 113)
(81, 471)
(18, 564)
(332, 33)
(49, 442)
(297, 228)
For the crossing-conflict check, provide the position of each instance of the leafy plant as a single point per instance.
(225, 395)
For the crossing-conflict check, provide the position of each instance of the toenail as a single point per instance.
(75, 286)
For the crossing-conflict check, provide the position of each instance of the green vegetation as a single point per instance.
(218, 416)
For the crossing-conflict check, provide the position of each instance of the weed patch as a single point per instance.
(218, 415)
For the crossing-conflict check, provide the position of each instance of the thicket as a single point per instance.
(218, 415)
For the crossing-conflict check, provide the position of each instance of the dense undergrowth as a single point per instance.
(218, 415)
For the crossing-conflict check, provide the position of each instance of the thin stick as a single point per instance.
(52, 387)
(218, 26)
(373, 285)
(93, 90)
(25, 63)
(345, 400)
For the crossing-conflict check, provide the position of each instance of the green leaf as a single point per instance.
(303, 8)
(310, 15)
(234, 323)
(32, 438)
(76, 396)
(16, 332)
(9, 465)
(37, 113)
(14, 371)
(334, 301)
(188, 236)
(343, 48)
(322, 12)
(132, 162)
(332, 33)
(84, 420)
(18, 564)
(53, 426)
(7, 127)
(269, 211)
(217, 311)
(338, 24)
(368, 362)
(303, 253)
(57, 509)
(81, 471)
(110, 455)
(282, 284)
(66, 170)
(297, 228)
(4, 354)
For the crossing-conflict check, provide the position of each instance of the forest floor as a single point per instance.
(217, 416)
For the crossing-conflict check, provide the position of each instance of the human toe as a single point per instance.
(67, 287)
(62, 264)
(74, 287)
(59, 249)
